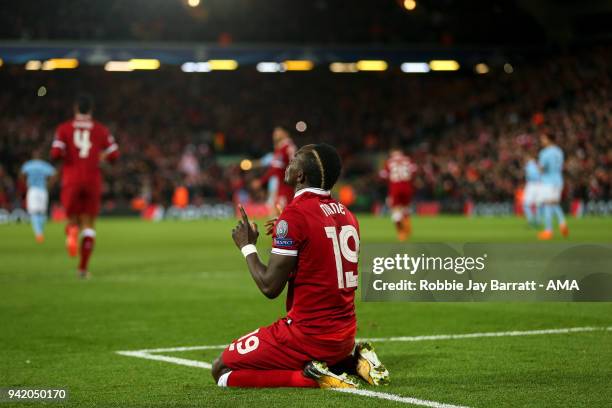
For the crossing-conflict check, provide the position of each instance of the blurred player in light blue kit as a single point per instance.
(37, 172)
(550, 161)
(531, 194)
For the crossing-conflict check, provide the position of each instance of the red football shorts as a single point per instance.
(281, 346)
(400, 196)
(81, 198)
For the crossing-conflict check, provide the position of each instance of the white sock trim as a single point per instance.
(397, 215)
(223, 379)
(88, 232)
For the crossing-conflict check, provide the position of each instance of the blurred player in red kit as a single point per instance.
(398, 171)
(315, 252)
(280, 192)
(82, 143)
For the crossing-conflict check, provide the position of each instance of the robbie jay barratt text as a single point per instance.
(473, 286)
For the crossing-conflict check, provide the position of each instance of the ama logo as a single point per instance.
(281, 240)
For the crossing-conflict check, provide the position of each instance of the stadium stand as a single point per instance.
(468, 132)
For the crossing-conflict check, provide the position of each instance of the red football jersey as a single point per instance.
(283, 153)
(324, 235)
(80, 143)
(398, 170)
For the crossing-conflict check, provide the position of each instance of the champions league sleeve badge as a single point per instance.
(282, 228)
(281, 240)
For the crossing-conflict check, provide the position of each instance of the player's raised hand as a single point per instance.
(271, 222)
(245, 232)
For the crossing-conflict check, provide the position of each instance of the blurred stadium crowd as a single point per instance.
(468, 133)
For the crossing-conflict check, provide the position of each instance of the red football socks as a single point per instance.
(269, 379)
(87, 246)
(398, 226)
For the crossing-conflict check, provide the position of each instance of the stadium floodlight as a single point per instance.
(132, 65)
(410, 5)
(271, 67)
(444, 65)
(189, 67)
(118, 66)
(301, 126)
(33, 65)
(223, 65)
(372, 65)
(415, 67)
(481, 68)
(343, 67)
(195, 67)
(246, 165)
(60, 63)
(508, 68)
(146, 64)
(298, 65)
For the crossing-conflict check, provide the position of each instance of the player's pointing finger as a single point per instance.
(245, 218)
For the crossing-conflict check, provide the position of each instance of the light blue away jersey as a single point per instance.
(37, 172)
(551, 164)
(532, 171)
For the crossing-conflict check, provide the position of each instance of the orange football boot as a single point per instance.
(545, 235)
(406, 226)
(72, 240)
(40, 238)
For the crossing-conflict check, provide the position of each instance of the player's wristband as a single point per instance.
(248, 250)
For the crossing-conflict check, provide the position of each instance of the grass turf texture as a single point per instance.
(185, 284)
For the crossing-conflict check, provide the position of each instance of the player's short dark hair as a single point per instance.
(84, 103)
(322, 166)
(548, 132)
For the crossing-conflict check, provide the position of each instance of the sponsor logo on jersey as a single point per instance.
(283, 242)
(282, 228)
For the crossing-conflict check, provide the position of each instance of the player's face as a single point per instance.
(278, 135)
(294, 173)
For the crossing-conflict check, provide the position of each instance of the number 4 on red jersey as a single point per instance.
(81, 143)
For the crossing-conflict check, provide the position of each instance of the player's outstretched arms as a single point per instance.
(271, 279)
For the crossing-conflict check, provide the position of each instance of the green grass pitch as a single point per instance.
(170, 284)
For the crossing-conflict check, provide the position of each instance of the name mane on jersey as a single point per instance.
(332, 208)
(82, 124)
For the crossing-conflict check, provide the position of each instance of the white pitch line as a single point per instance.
(147, 354)
(409, 338)
(188, 348)
(396, 398)
(488, 334)
(365, 393)
(167, 359)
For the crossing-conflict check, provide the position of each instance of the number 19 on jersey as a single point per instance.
(342, 251)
